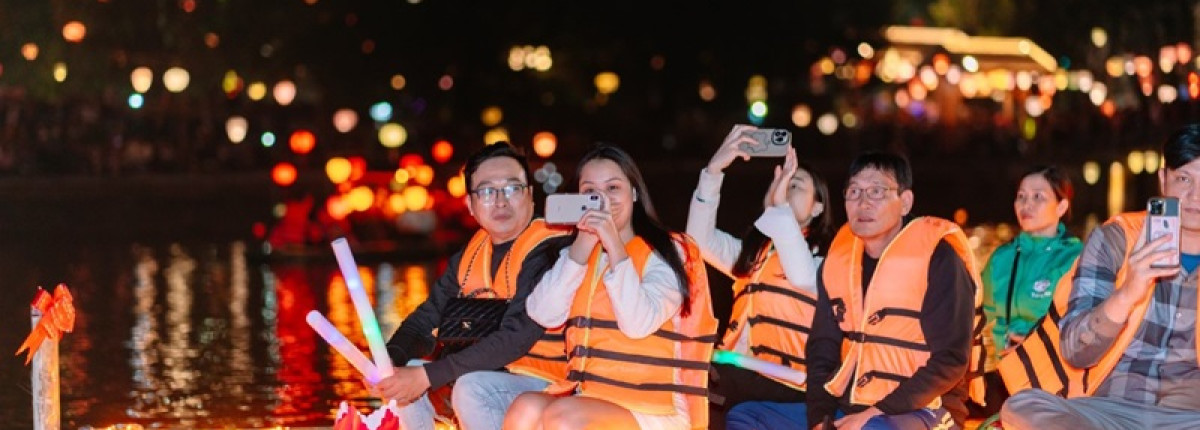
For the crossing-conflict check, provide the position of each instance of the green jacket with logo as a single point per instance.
(1040, 262)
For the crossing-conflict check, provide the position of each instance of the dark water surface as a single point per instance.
(194, 333)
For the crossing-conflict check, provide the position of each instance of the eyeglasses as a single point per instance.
(873, 193)
(487, 195)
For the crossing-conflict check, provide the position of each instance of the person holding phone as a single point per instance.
(893, 341)
(1020, 276)
(1129, 332)
(774, 269)
(633, 297)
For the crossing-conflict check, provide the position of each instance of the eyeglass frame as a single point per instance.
(496, 192)
(867, 191)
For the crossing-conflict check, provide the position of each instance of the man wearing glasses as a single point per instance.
(505, 259)
(893, 329)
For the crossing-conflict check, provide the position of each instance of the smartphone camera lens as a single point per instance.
(1156, 207)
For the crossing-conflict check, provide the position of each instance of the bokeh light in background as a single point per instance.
(1153, 161)
(337, 169)
(398, 82)
(606, 82)
(457, 186)
(1091, 172)
(491, 116)
(267, 139)
(344, 120)
(29, 51)
(498, 134)
(74, 31)
(136, 101)
(1136, 162)
(176, 79)
(284, 92)
(415, 198)
(358, 167)
(442, 151)
(380, 112)
(424, 175)
(60, 72)
(302, 141)
(236, 128)
(141, 78)
(544, 144)
(360, 198)
(801, 115)
(256, 91)
(392, 135)
(284, 174)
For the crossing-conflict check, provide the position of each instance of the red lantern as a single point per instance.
(284, 174)
(302, 141)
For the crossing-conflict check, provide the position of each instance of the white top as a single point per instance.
(778, 223)
(641, 304)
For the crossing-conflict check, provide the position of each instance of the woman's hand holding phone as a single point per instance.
(777, 192)
(598, 225)
(731, 149)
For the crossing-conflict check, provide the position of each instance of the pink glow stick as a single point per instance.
(343, 346)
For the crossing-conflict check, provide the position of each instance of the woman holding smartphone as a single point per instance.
(633, 297)
(774, 269)
(1020, 277)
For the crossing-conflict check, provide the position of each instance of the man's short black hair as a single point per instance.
(885, 162)
(498, 149)
(1182, 147)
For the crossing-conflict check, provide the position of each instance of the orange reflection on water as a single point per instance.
(298, 379)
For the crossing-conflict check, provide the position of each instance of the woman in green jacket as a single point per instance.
(1020, 276)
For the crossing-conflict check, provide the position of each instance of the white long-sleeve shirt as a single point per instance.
(778, 223)
(642, 304)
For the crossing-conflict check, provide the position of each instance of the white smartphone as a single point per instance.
(569, 208)
(1162, 218)
(769, 142)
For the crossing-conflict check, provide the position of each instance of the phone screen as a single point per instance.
(1162, 218)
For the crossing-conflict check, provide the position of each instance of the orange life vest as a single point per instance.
(1037, 362)
(775, 315)
(884, 343)
(547, 359)
(639, 374)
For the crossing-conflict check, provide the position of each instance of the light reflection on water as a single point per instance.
(198, 335)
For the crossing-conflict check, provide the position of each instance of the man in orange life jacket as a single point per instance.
(505, 259)
(898, 299)
(1130, 327)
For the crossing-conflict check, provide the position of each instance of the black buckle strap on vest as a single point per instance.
(786, 358)
(860, 337)
(838, 306)
(867, 377)
(559, 358)
(583, 351)
(767, 288)
(580, 376)
(553, 337)
(757, 319)
(878, 316)
(585, 322)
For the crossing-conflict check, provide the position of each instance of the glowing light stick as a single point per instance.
(761, 366)
(366, 315)
(343, 346)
